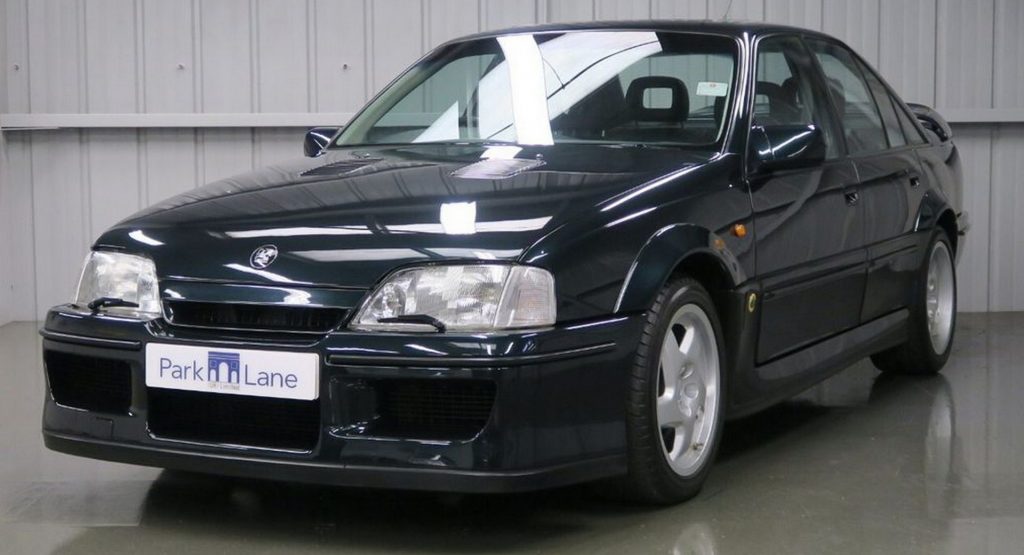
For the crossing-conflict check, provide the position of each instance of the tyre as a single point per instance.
(676, 396)
(932, 319)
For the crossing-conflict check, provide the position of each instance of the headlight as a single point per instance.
(120, 277)
(477, 297)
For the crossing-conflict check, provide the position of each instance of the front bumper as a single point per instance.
(557, 416)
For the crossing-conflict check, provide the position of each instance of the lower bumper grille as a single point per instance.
(432, 409)
(89, 383)
(234, 419)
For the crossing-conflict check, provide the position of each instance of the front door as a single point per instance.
(809, 223)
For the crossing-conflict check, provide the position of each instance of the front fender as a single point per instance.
(663, 253)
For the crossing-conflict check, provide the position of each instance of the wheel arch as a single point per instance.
(948, 222)
(675, 250)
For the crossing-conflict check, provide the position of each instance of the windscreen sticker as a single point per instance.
(712, 88)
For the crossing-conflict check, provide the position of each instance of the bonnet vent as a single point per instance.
(341, 167)
(496, 168)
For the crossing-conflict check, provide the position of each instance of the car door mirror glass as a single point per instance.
(775, 147)
(318, 139)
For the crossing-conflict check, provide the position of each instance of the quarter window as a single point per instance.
(862, 124)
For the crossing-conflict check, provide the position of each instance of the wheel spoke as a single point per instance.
(668, 411)
(671, 360)
(686, 400)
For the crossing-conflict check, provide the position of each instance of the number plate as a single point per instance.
(277, 374)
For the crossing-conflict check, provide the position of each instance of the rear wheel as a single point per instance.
(675, 401)
(932, 316)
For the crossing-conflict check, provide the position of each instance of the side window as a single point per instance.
(862, 124)
(888, 110)
(784, 93)
(911, 131)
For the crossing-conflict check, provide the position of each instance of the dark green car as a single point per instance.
(540, 256)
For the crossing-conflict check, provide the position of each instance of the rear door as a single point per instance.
(809, 225)
(889, 175)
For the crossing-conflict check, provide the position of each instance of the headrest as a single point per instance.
(677, 111)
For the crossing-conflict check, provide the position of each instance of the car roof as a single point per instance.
(727, 28)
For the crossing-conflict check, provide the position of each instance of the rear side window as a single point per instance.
(911, 131)
(862, 124)
(885, 106)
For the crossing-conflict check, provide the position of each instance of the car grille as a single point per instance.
(234, 419)
(432, 409)
(302, 319)
(89, 383)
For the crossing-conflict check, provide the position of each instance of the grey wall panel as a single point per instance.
(168, 163)
(218, 56)
(794, 12)
(679, 9)
(737, 10)
(110, 72)
(963, 69)
(496, 14)
(340, 57)
(225, 46)
(570, 10)
(617, 9)
(282, 54)
(907, 41)
(275, 145)
(975, 144)
(1006, 263)
(55, 56)
(388, 21)
(60, 213)
(15, 39)
(224, 152)
(168, 56)
(112, 177)
(19, 219)
(1008, 82)
(856, 23)
(449, 19)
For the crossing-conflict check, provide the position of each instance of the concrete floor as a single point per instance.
(859, 464)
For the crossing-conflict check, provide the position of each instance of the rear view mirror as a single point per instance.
(932, 121)
(778, 147)
(318, 139)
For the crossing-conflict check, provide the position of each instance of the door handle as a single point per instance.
(915, 181)
(852, 197)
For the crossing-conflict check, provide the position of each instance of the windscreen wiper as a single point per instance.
(424, 319)
(109, 302)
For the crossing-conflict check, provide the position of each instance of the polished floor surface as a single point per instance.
(862, 463)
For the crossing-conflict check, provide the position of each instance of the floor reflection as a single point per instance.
(863, 462)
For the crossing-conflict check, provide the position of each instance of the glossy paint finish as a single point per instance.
(860, 463)
(610, 222)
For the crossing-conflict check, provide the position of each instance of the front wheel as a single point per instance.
(676, 396)
(932, 316)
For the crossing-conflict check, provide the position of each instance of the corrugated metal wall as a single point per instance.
(237, 79)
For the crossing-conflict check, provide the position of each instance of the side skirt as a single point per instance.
(786, 376)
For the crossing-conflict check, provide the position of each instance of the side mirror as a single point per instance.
(318, 139)
(932, 121)
(781, 147)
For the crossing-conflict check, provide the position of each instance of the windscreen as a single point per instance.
(551, 88)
